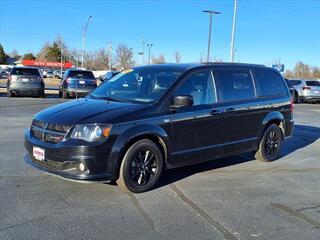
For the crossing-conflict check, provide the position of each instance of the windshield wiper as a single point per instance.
(109, 99)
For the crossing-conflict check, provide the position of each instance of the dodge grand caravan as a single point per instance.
(156, 117)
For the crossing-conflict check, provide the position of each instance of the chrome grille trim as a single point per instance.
(49, 132)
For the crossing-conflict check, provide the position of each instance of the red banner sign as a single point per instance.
(46, 64)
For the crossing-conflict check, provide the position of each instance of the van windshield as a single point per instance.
(140, 85)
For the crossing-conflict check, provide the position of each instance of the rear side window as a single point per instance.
(81, 74)
(295, 82)
(313, 83)
(269, 83)
(25, 71)
(234, 85)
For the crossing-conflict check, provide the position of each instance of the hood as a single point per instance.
(85, 110)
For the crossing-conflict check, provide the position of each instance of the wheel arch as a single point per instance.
(274, 118)
(136, 133)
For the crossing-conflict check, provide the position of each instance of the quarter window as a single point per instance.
(234, 85)
(200, 86)
(269, 83)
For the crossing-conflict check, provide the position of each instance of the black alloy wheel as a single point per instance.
(270, 144)
(141, 167)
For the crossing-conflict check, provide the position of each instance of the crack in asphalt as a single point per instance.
(309, 208)
(227, 235)
(142, 212)
(295, 213)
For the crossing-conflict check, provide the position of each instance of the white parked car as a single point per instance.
(307, 90)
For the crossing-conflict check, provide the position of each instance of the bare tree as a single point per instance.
(302, 70)
(158, 60)
(124, 56)
(177, 56)
(14, 54)
(97, 60)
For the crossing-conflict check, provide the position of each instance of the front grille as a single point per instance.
(49, 132)
(50, 164)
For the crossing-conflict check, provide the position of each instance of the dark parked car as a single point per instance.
(25, 81)
(293, 92)
(77, 83)
(151, 118)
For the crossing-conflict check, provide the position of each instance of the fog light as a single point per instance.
(82, 167)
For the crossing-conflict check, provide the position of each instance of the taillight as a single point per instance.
(306, 88)
(291, 105)
(95, 82)
(9, 78)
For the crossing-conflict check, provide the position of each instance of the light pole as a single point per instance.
(233, 31)
(84, 40)
(109, 54)
(210, 26)
(143, 42)
(61, 59)
(149, 45)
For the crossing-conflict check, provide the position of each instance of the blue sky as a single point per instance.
(266, 29)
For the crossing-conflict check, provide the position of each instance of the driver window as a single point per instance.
(200, 86)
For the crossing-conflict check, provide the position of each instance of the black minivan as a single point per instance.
(156, 117)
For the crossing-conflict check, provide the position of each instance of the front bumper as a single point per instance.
(63, 159)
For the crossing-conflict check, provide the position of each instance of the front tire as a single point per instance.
(270, 144)
(141, 167)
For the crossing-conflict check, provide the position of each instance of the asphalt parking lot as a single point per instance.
(230, 198)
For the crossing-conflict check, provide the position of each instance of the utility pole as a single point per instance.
(61, 59)
(143, 42)
(233, 31)
(201, 56)
(210, 26)
(84, 40)
(149, 45)
(109, 54)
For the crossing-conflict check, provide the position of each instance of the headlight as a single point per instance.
(91, 132)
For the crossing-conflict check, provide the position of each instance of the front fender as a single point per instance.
(129, 133)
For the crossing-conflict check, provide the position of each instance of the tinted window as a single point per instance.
(313, 83)
(269, 83)
(200, 86)
(295, 82)
(234, 85)
(25, 71)
(142, 85)
(81, 74)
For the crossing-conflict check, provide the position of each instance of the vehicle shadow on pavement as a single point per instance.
(303, 136)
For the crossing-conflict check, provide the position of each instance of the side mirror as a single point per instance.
(181, 101)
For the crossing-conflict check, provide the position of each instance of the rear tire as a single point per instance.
(64, 95)
(141, 167)
(270, 144)
(296, 98)
(42, 95)
(10, 94)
